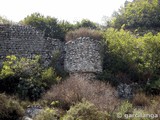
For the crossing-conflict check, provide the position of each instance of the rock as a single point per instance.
(26, 118)
(125, 91)
(32, 111)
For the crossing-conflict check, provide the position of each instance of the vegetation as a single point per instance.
(74, 90)
(131, 54)
(137, 15)
(85, 23)
(47, 114)
(84, 111)
(26, 77)
(48, 25)
(4, 20)
(83, 32)
(129, 58)
(52, 27)
(10, 109)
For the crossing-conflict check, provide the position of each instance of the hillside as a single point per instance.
(55, 70)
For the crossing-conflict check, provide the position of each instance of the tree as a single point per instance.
(86, 24)
(49, 25)
(66, 27)
(137, 14)
(4, 20)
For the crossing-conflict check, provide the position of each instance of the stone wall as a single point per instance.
(79, 56)
(25, 41)
(83, 55)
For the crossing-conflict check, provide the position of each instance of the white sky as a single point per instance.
(70, 10)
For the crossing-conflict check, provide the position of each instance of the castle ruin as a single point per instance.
(80, 56)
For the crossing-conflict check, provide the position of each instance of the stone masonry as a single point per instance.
(25, 41)
(83, 55)
(80, 56)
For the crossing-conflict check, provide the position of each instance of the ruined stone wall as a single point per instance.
(79, 56)
(25, 41)
(83, 55)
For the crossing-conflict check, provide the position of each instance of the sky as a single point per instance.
(69, 10)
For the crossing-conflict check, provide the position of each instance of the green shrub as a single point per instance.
(8, 78)
(125, 108)
(136, 57)
(49, 77)
(26, 77)
(83, 32)
(30, 88)
(57, 62)
(84, 111)
(143, 14)
(141, 112)
(47, 114)
(10, 109)
(154, 105)
(8, 66)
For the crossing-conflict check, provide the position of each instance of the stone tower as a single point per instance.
(83, 56)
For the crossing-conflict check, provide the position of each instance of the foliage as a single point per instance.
(20, 67)
(30, 88)
(53, 28)
(141, 100)
(83, 32)
(4, 20)
(10, 109)
(49, 25)
(8, 79)
(124, 108)
(57, 62)
(49, 77)
(26, 77)
(74, 89)
(131, 57)
(119, 55)
(85, 23)
(8, 67)
(141, 112)
(137, 14)
(47, 114)
(84, 111)
(66, 27)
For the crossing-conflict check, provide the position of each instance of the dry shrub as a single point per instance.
(141, 100)
(154, 108)
(83, 32)
(74, 89)
(10, 108)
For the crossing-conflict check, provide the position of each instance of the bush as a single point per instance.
(26, 77)
(74, 89)
(47, 114)
(154, 105)
(49, 77)
(57, 62)
(30, 88)
(124, 108)
(83, 32)
(8, 78)
(137, 14)
(141, 100)
(10, 109)
(135, 57)
(84, 111)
